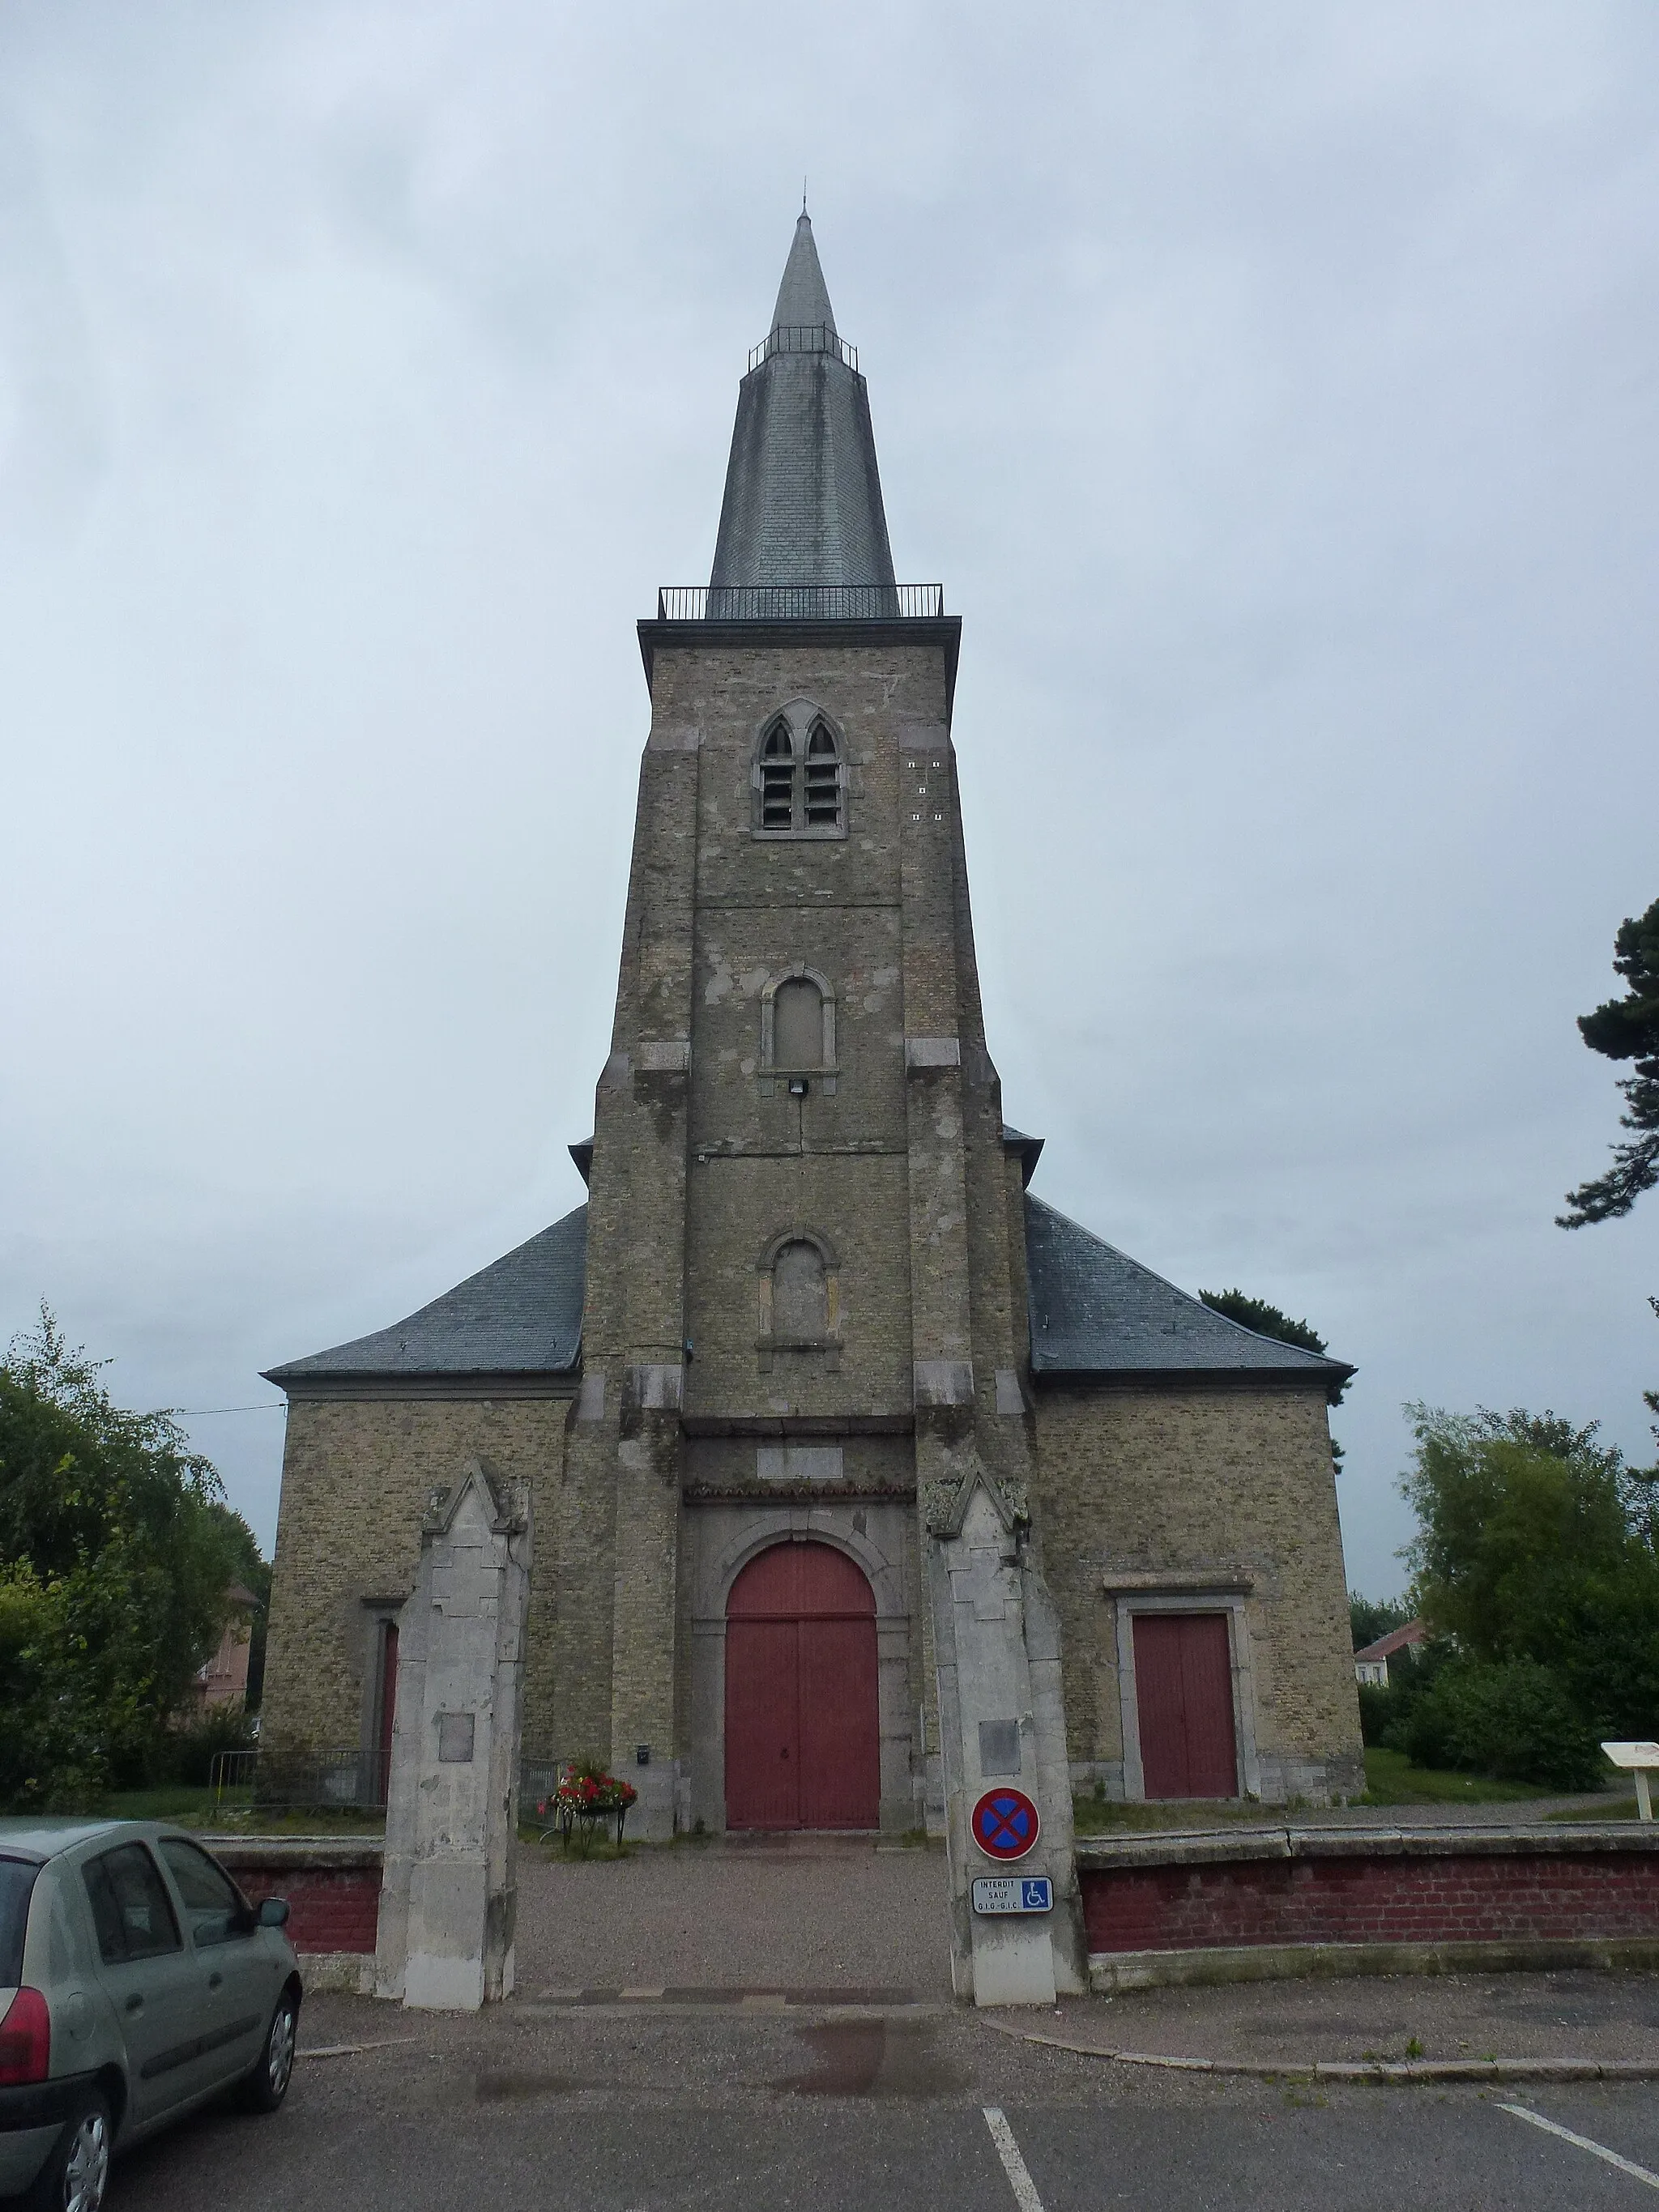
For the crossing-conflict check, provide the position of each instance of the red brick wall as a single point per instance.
(1429, 1900)
(334, 1909)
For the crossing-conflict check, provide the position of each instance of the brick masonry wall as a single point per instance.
(1224, 1481)
(1468, 1898)
(333, 1909)
(356, 1473)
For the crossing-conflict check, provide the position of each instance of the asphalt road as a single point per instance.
(643, 2109)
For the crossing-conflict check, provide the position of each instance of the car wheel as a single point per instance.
(266, 2086)
(74, 2178)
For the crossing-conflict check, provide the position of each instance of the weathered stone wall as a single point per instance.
(356, 1474)
(1168, 1486)
(701, 1162)
(761, 1161)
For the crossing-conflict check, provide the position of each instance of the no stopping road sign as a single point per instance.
(1005, 1823)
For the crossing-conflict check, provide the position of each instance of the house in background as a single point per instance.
(223, 1681)
(1371, 1665)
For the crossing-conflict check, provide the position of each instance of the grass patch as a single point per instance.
(1601, 1808)
(1391, 1779)
(1095, 1815)
(174, 1802)
(233, 1815)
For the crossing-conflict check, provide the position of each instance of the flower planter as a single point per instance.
(586, 1801)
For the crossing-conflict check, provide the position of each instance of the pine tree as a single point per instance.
(1627, 1028)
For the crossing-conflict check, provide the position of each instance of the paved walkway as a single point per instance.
(843, 1918)
(1574, 2013)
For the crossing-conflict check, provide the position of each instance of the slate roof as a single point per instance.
(803, 501)
(1094, 1312)
(521, 1316)
(1097, 1312)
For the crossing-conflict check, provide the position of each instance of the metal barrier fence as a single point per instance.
(800, 602)
(301, 1781)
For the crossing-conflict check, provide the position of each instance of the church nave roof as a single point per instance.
(1096, 1312)
(520, 1316)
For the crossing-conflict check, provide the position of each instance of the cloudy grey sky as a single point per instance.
(1271, 385)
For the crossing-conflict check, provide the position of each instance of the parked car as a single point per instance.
(136, 1982)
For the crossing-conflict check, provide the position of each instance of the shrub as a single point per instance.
(184, 1755)
(1376, 1709)
(1512, 1720)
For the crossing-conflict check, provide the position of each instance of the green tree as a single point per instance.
(1537, 1544)
(1627, 1028)
(115, 1548)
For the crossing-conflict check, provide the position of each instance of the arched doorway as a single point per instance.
(802, 1736)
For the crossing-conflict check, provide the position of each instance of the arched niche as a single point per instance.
(797, 1030)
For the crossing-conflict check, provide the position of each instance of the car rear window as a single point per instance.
(16, 1887)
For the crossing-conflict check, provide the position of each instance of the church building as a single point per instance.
(814, 1304)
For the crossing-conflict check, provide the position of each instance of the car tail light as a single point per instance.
(25, 2040)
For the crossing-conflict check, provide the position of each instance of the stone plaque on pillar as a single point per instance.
(448, 1891)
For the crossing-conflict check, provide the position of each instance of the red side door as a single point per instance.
(1184, 1697)
(802, 1726)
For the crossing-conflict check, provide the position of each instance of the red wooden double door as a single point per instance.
(803, 1733)
(1184, 1699)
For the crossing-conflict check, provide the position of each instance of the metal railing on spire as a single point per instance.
(800, 602)
(803, 337)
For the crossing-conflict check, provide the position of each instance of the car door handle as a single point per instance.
(215, 1981)
(134, 2002)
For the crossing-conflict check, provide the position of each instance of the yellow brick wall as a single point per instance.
(1234, 1480)
(356, 1474)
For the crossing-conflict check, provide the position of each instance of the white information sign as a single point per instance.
(1642, 1758)
(996, 1893)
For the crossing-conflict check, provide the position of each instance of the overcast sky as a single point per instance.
(1274, 388)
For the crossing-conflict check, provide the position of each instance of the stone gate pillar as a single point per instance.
(1001, 1719)
(448, 1892)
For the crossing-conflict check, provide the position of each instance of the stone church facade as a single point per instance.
(811, 1301)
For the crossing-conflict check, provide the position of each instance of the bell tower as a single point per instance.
(800, 1317)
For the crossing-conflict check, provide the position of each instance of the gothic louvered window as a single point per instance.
(799, 780)
(777, 770)
(822, 793)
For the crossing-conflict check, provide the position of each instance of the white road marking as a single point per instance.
(1583, 2142)
(1013, 2164)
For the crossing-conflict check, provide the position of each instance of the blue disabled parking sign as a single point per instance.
(995, 1894)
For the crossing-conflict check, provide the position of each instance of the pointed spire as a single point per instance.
(803, 296)
(802, 508)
